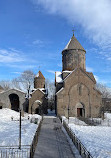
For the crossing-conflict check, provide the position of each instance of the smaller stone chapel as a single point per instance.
(76, 94)
(38, 101)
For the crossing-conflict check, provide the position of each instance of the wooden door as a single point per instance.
(78, 112)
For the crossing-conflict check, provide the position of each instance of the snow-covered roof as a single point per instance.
(40, 89)
(59, 77)
(67, 71)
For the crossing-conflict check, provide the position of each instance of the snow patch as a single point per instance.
(9, 130)
(59, 77)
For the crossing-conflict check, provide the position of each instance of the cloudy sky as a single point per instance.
(34, 32)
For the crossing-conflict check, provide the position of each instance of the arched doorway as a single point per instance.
(37, 111)
(37, 107)
(14, 100)
(80, 110)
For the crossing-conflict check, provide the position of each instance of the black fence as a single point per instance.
(26, 151)
(91, 121)
(35, 140)
(82, 150)
(15, 152)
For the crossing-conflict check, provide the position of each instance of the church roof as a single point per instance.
(74, 44)
(40, 75)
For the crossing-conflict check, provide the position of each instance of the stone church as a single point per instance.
(76, 94)
(38, 101)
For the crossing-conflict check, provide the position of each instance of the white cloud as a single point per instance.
(22, 66)
(16, 73)
(89, 69)
(38, 42)
(94, 16)
(51, 71)
(10, 56)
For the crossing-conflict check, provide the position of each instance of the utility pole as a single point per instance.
(20, 131)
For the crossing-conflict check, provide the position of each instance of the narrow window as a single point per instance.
(80, 90)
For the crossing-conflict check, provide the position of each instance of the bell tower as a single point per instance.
(73, 55)
(39, 81)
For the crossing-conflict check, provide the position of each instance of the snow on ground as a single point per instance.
(96, 139)
(107, 116)
(74, 120)
(9, 130)
(107, 120)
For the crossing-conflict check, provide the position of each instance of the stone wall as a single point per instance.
(79, 89)
(5, 101)
(40, 96)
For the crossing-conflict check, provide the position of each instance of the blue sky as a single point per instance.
(33, 33)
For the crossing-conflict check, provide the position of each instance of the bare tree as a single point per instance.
(106, 98)
(51, 93)
(106, 93)
(15, 84)
(27, 79)
(5, 84)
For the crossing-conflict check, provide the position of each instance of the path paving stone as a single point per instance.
(52, 142)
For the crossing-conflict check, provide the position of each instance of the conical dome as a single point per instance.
(74, 44)
(40, 75)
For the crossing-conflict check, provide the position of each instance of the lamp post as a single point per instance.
(68, 109)
(68, 113)
(20, 131)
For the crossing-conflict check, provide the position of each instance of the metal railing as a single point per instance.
(26, 151)
(35, 140)
(91, 121)
(15, 152)
(82, 150)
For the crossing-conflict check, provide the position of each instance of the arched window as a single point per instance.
(80, 90)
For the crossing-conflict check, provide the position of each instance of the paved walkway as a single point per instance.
(52, 142)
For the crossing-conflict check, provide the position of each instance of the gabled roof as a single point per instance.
(39, 89)
(14, 89)
(74, 44)
(90, 75)
(40, 75)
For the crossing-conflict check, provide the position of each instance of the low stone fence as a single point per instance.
(82, 150)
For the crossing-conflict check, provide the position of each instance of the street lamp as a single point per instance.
(20, 130)
(68, 113)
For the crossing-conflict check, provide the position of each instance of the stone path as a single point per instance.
(52, 142)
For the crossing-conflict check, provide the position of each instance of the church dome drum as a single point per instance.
(73, 55)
